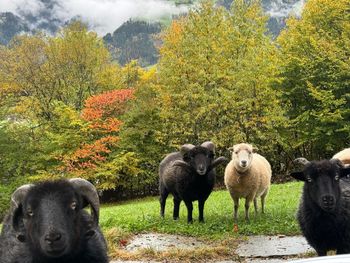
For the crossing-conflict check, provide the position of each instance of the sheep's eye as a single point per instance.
(236, 152)
(73, 205)
(30, 212)
(309, 180)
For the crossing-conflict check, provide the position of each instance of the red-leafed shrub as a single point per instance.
(102, 112)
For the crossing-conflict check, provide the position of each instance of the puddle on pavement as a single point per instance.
(162, 242)
(273, 246)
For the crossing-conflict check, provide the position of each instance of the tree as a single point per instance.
(90, 158)
(44, 82)
(67, 68)
(315, 70)
(139, 133)
(216, 69)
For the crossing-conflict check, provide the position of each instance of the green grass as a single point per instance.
(142, 215)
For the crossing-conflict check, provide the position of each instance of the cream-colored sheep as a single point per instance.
(248, 175)
(343, 156)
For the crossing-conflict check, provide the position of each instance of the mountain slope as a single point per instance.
(135, 39)
(11, 25)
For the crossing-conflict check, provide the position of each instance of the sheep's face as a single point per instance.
(242, 155)
(199, 158)
(51, 218)
(322, 182)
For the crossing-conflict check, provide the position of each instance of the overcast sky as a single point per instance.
(103, 15)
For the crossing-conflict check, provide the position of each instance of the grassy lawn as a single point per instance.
(122, 220)
(143, 216)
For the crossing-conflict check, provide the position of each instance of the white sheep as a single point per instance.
(343, 156)
(248, 175)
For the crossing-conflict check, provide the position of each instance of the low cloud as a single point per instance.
(279, 8)
(102, 15)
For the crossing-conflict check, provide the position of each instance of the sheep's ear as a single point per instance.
(299, 176)
(17, 223)
(16, 206)
(345, 172)
(186, 147)
(230, 149)
(255, 149)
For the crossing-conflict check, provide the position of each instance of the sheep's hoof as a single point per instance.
(176, 218)
(190, 221)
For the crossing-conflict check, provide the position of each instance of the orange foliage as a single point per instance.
(107, 104)
(101, 111)
(175, 32)
(89, 155)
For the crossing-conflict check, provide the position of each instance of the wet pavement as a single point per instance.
(273, 246)
(256, 249)
(162, 242)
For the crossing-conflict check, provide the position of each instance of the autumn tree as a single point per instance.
(67, 68)
(88, 160)
(139, 134)
(216, 69)
(316, 73)
(44, 82)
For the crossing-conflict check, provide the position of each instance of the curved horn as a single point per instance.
(301, 160)
(337, 162)
(89, 193)
(186, 147)
(209, 145)
(181, 163)
(18, 196)
(218, 161)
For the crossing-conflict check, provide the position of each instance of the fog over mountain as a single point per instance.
(103, 16)
(128, 27)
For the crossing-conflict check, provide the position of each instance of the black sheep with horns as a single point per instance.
(188, 175)
(47, 223)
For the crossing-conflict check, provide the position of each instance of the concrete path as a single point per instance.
(273, 246)
(162, 242)
(257, 249)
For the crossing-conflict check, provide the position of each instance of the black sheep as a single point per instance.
(47, 223)
(324, 210)
(188, 175)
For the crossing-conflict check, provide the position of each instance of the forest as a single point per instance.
(68, 110)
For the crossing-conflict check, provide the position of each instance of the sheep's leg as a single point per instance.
(255, 207)
(176, 208)
(163, 196)
(247, 204)
(263, 202)
(235, 212)
(201, 209)
(189, 211)
(321, 252)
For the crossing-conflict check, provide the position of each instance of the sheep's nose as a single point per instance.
(244, 163)
(53, 237)
(201, 169)
(328, 200)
